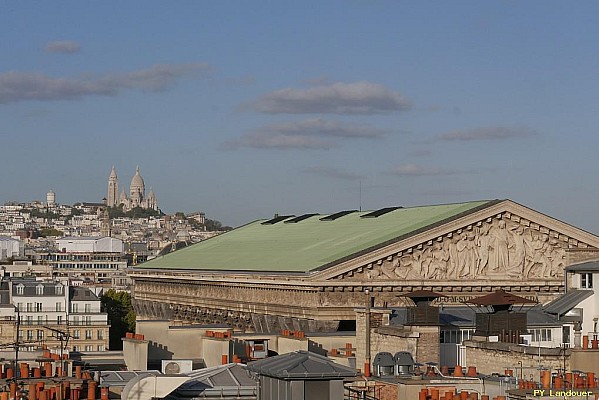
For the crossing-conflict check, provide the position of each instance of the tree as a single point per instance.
(214, 225)
(120, 314)
(180, 216)
(116, 212)
(136, 212)
(50, 232)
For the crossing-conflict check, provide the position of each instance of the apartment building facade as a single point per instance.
(52, 314)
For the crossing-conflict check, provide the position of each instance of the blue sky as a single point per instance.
(246, 109)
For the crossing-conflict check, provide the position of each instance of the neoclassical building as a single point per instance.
(137, 193)
(311, 272)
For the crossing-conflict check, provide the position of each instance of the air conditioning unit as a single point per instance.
(526, 340)
(171, 367)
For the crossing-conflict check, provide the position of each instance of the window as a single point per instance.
(20, 289)
(38, 307)
(74, 307)
(100, 334)
(40, 320)
(58, 289)
(88, 320)
(566, 334)
(39, 289)
(541, 335)
(59, 320)
(586, 281)
(58, 306)
(29, 335)
(29, 320)
(76, 334)
(88, 308)
(76, 320)
(89, 348)
(29, 307)
(88, 334)
(20, 306)
(101, 347)
(40, 334)
(455, 336)
(75, 348)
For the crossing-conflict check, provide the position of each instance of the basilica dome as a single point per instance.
(137, 182)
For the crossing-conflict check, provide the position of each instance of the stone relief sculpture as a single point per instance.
(483, 245)
(501, 246)
(438, 264)
(518, 258)
(501, 249)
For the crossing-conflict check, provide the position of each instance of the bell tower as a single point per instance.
(113, 189)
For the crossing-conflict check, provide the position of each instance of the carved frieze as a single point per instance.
(497, 248)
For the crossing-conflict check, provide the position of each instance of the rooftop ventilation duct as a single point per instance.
(383, 364)
(404, 363)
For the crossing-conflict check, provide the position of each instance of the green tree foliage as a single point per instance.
(37, 213)
(137, 212)
(214, 225)
(120, 314)
(45, 232)
(115, 212)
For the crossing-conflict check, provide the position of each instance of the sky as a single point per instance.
(244, 109)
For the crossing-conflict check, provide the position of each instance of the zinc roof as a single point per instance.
(308, 244)
(301, 365)
(567, 301)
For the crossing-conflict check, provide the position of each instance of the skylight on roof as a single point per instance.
(300, 218)
(276, 219)
(335, 216)
(380, 212)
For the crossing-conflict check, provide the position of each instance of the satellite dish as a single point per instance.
(172, 368)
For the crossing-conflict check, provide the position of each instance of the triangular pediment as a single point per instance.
(504, 241)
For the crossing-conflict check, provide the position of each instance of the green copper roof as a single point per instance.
(308, 244)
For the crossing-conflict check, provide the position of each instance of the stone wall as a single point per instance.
(421, 341)
(576, 256)
(490, 357)
(428, 344)
(585, 360)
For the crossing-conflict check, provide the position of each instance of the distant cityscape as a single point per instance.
(135, 219)
(57, 261)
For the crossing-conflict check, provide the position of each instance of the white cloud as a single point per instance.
(18, 86)
(277, 141)
(330, 172)
(335, 98)
(322, 127)
(64, 47)
(487, 133)
(307, 134)
(421, 170)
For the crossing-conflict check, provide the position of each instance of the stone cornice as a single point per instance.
(231, 281)
(405, 286)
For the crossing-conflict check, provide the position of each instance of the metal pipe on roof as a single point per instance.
(367, 358)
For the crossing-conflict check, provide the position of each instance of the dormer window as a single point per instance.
(39, 290)
(58, 289)
(586, 281)
(20, 289)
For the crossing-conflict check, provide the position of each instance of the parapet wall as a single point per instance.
(493, 357)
